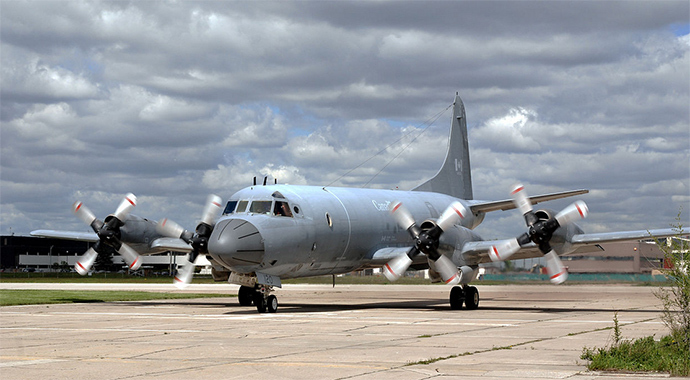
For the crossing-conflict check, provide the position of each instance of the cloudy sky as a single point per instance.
(175, 100)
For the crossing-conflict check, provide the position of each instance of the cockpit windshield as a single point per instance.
(260, 207)
(230, 207)
(274, 208)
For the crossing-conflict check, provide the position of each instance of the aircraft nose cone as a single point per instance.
(237, 243)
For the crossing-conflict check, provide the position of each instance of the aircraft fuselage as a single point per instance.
(326, 231)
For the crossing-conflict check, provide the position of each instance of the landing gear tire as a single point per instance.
(245, 296)
(260, 302)
(457, 298)
(471, 298)
(272, 304)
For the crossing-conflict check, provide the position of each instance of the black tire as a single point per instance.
(471, 298)
(260, 302)
(272, 304)
(457, 298)
(245, 295)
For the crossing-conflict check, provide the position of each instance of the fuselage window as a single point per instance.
(282, 209)
(242, 206)
(260, 207)
(230, 207)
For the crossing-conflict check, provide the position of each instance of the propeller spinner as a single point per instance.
(539, 232)
(198, 239)
(426, 242)
(108, 234)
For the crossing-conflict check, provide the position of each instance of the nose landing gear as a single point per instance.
(260, 296)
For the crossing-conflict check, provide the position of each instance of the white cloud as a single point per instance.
(176, 100)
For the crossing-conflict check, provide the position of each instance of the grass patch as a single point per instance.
(94, 278)
(644, 354)
(39, 297)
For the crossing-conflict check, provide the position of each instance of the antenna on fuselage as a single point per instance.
(254, 181)
(265, 179)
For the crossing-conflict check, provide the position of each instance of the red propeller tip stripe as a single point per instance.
(519, 189)
(452, 278)
(396, 207)
(579, 210)
(134, 263)
(78, 207)
(216, 204)
(559, 274)
(389, 269)
(130, 201)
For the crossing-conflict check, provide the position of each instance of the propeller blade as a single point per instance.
(448, 271)
(453, 215)
(577, 210)
(557, 272)
(213, 205)
(169, 228)
(395, 268)
(125, 207)
(504, 249)
(131, 256)
(86, 261)
(520, 199)
(83, 212)
(184, 275)
(401, 215)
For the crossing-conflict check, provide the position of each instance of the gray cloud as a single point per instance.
(173, 101)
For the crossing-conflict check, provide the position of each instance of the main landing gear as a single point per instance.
(467, 295)
(259, 296)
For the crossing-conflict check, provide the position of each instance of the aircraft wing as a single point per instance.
(67, 235)
(478, 251)
(159, 245)
(508, 204)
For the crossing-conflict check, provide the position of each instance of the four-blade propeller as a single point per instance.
(198, 239)
(540, 233)
(426, 242)
(108, 234)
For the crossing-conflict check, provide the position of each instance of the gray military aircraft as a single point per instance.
(268, 233)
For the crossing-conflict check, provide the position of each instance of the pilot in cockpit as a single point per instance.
(282, 209)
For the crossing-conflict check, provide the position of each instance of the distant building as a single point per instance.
(634, 257)
(41, 254)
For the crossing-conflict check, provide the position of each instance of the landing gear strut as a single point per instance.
(467, 295)
(260, 296)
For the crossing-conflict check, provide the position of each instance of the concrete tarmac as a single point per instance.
(347, 332)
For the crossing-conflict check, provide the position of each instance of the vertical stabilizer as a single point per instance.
(454, 178)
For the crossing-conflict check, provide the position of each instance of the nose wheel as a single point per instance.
(262, 299)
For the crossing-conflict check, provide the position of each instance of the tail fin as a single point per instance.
(454, 178)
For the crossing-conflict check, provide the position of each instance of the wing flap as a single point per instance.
(623, 235)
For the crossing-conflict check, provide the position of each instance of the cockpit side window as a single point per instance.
(260, 207)
(230, 207)
(282, 208)
(241, 206)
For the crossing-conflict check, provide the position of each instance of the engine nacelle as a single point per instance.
(562, 237)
